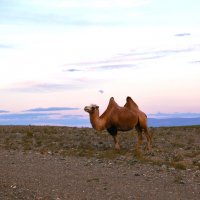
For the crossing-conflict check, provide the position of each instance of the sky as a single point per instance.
(57, 56)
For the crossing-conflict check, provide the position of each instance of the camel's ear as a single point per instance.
(95, 107)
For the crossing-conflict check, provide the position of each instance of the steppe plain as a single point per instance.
(54, 163)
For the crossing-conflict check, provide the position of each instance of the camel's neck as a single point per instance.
(97, 122)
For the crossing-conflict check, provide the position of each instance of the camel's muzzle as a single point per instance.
(87, 109)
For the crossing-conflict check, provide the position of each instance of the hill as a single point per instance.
(153, 122)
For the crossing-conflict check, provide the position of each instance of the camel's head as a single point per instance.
(91, 109)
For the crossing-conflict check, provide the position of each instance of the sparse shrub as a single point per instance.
(157, 162)
(108, 154)
(27, 146)
(94, 179)
(178, 165)
(177, 157)
(29, 134)
(178, 179)
(86, 142)
(38, 143)
(196, 162)
(191, 140)
(178, 144)
(192, 154)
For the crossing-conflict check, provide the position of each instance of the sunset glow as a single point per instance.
(72, 53)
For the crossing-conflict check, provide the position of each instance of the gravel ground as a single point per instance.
(31, 175)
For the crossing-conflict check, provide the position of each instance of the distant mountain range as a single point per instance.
(155, 122)
(52, 116)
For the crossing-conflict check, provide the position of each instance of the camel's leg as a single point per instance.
(116, 141)
(140, 137)
(149, 140)
(139, 141)
(142, 127)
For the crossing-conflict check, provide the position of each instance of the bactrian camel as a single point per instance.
(116, 118)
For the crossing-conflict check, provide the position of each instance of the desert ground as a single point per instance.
(55, 163)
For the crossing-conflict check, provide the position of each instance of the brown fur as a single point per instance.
(116, 118)
(142, 125)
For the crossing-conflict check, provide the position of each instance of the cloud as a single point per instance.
(5, 46)
(98, 4)
(174, 115)
(102, 65)
(43, 87)
(101, 91)
(110, 64)
(73, 70)
(114, 66)
(195, 62)
(71, 12)
(182, 34)
(142, 54)
(131, 59)
(4, 111)
(51, 109)
(69, 84)
(24, 115)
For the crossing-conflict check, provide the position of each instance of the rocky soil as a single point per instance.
(79, 163)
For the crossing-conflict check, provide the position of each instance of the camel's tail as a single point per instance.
(138, 126)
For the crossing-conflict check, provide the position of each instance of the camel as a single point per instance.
(116, 118)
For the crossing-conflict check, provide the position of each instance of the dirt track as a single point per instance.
(61, 163)
(36, 176)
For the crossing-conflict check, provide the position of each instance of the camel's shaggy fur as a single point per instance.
(116, 118)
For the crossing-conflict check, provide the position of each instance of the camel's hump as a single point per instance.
(112, 102)
(112, 99)
(130, 100)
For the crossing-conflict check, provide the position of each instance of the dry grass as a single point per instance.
(177, 147)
